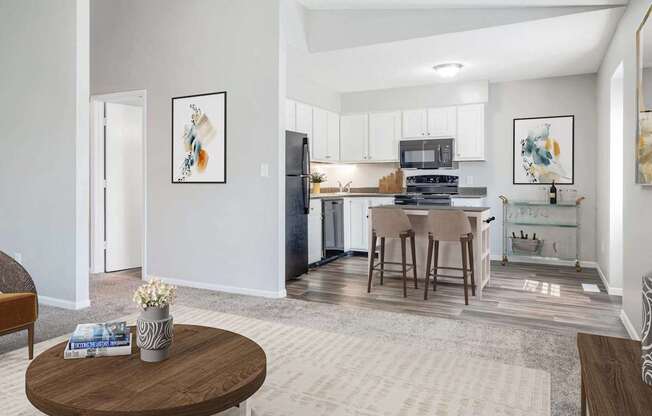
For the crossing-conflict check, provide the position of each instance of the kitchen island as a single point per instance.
(449, 252)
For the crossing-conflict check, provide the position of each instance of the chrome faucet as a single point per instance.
(345, 188)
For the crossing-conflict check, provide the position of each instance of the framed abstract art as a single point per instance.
(199, 138)
(544, 150)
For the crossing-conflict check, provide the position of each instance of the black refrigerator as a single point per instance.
(297, 203)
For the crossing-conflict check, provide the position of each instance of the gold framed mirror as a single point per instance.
(644, 101)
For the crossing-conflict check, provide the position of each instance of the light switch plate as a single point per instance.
(264, 170)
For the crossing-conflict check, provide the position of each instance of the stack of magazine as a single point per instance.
(99, 340)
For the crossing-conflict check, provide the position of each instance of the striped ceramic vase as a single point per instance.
(154, 334)
(646, 335)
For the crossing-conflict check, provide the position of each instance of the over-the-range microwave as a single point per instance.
(427, 153)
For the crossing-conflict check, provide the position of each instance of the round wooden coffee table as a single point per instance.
(209, 370)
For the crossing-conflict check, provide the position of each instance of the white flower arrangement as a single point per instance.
(155, 294)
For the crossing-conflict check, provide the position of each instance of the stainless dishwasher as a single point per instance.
(333, 224)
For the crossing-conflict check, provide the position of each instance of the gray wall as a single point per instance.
(533, 98)
(637, 222)
(416, 97)
(216, 236)
(41, 185)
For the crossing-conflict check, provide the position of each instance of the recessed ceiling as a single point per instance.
(424, 4)
(566, 45)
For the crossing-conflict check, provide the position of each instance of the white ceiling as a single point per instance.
(566, 45)
(418, 4)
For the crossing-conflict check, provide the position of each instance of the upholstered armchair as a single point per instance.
(18, 300)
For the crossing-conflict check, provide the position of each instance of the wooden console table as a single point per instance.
(611, 377)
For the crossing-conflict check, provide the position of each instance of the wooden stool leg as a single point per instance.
(434, 273)
(471, 264)
(464, 272)
(30, 340)
(414, 259)
(382, 259)
(582, 395)
(404, 264)
(372, 255)
(428, 260)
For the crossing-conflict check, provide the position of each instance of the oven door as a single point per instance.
(411, 154)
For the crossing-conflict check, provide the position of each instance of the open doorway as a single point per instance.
(118, 183)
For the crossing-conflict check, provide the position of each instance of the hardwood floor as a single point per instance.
(527, 295)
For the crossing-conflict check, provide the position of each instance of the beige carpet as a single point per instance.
(313, 372)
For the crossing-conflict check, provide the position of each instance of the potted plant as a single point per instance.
(154, 327)
(317, 178)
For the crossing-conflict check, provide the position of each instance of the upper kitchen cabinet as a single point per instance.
(442, 122)
(304, 119)
(354, 137)
(326, 136)
(415, 123)
(333, 137)
(319, 135)
(384, 134)
(290, 115)
(431, 122)
(469, 141)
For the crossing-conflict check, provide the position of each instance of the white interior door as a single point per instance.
(124, 186)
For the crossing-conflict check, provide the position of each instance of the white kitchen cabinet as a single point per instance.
(354, 137)
(430, 122)
(384, 134)
(469, 142)
(415, 123)
(315, 231)
(326, 136)
(333, 154)
(356, 221)
(304, 119)
(319, 149)
(357, 224)
(442, 122)
(290, 115)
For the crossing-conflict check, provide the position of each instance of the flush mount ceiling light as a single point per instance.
(448, 70)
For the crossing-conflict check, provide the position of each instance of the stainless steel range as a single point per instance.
(428, 190)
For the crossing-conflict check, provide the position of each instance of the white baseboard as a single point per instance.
(633, 333)
(65, 304)
(615, 291)
(228, 289)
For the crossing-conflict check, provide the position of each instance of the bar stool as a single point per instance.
(391, 223)
(450, 226)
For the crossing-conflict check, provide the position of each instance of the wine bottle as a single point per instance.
(553, 193)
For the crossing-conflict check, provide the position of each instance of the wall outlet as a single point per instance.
(264, 170)
(18, 257)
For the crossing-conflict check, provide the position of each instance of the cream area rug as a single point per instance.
(312, 372)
